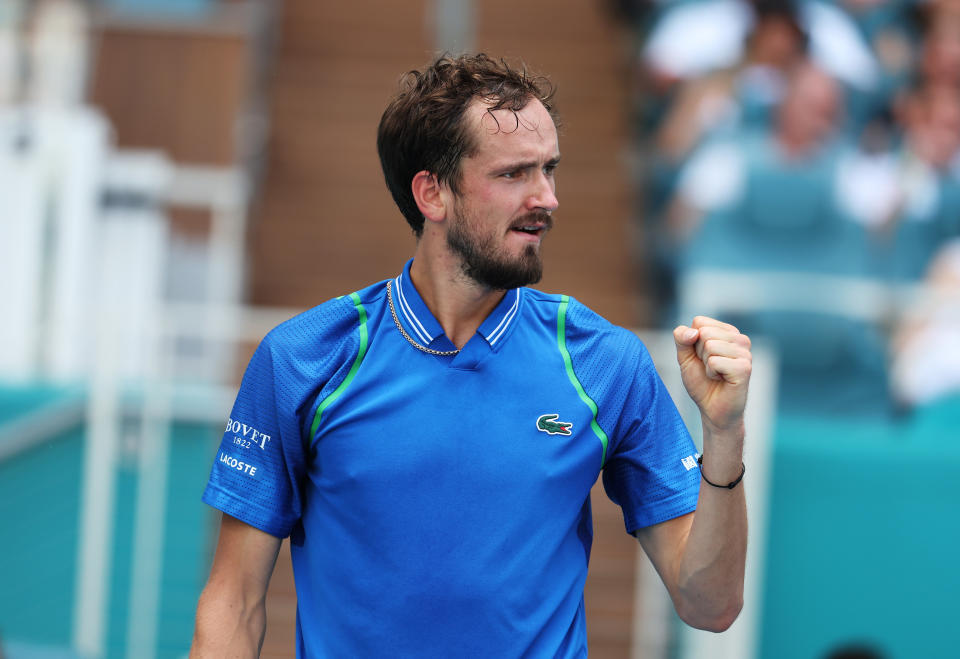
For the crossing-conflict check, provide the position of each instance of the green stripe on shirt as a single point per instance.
(326, 402)
(562, 344)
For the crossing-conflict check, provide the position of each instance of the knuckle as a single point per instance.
(707, 333)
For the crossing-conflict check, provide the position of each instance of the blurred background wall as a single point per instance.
(177, 176)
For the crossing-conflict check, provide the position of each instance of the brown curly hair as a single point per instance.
(423, 129)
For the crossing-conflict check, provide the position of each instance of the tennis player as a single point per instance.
(429, 443)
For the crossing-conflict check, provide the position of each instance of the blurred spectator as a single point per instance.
(909, 196)
(926, 346)
(763, 203)
(940, 52)
(691, 39)
(892, 30)
(795, 157)
(744, 94)
(694, 38)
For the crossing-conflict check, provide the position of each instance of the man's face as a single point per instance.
(809, 112)
(507, 192)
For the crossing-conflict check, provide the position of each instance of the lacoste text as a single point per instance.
(232, 462)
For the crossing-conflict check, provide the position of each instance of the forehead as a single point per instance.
(525, 132)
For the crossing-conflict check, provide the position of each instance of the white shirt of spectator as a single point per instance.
(874, 188)
(694, 39)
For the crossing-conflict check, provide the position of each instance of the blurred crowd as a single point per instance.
(818, 139)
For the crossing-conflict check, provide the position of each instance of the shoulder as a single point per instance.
(319, 331)
(583, 328)
(542, 304)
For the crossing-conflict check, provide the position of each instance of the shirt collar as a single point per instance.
(422, 326)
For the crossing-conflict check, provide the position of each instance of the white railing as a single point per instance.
(709, 291)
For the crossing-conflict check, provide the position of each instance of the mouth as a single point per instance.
(530, 229)
(533, 227)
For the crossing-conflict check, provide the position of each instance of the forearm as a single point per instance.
(702, 556)
(228, 626)
(710, 575)
(232, 611)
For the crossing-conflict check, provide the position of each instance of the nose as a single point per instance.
(543, 195)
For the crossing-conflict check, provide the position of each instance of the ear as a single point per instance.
(427, 193)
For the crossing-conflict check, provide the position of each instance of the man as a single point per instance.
(429, 442)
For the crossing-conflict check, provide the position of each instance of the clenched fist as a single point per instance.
(715, 364)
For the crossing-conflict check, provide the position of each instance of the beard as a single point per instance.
(486, 264)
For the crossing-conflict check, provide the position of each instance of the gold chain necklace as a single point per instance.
(403, 332)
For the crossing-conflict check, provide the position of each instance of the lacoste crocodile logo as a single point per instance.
(548, 423)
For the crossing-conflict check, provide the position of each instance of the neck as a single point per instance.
(458, 303)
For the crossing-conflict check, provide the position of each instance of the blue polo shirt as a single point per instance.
(438, 506)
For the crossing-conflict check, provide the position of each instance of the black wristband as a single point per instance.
(728, 486)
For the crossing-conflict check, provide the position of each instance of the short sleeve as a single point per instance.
(652, 472)
(261, 459)
(650, 469)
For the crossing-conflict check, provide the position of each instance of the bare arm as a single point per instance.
(231, 614)
(701, 556)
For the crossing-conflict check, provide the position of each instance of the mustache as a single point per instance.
(535, 217)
